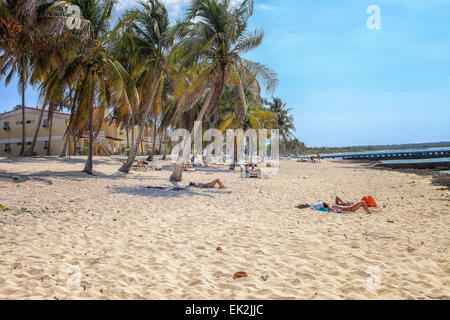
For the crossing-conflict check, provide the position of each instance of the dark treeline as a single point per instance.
(351, 149)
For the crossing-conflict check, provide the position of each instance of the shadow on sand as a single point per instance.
(154, 193)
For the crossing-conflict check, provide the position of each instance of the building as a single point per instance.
(111, 140)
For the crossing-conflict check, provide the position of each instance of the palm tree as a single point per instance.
(100, 82)
(258, 116)
(285, 121)
(295, 146)
(215, 33)
(17, 24)
(150, 29)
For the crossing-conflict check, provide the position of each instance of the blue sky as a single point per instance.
(349, 85)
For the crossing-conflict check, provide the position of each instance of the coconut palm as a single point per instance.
(17, 24)
(100, 82)
(215, 33)
(285, 121)
(24, 24)
(150, 29)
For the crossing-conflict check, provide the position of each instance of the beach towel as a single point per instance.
(318, 205)
(370, 201)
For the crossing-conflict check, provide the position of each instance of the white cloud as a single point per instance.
(265, 7)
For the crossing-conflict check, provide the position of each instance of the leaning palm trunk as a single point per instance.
(50, 120)
(177, 174)
(36, 133)
(89, 165)
(127, 166)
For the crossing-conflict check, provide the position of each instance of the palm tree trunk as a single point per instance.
(127, 166)
(164, 145)
(22, 148)
(51, 112)
(89, 166)
(66, 143)
(160, 142)
(133, 124)
(150, 157)
(75, 145)
(128, 140)
(36, 133)
(205, 106)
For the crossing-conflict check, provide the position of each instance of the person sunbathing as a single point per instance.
(340, 202)
(252, 170)
(208, 185)
(341, 206)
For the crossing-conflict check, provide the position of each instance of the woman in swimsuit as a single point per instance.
(347, 206)
(209, 185)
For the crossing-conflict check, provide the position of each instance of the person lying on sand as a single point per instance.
(340, 202)
(208, 185)
(252, 170)
(347, 206)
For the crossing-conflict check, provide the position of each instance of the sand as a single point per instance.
(130, 242)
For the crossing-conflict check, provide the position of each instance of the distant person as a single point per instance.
(318, 158)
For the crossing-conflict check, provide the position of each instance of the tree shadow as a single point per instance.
(155, 193)
(98, 160)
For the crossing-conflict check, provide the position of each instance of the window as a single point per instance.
(28, 143)
(30, 121)
(46, 145)
(7, 147)
(45, 123)
(19, 123)
(6, 125)
(19, 143)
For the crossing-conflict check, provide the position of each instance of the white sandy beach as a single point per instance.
(130, 242)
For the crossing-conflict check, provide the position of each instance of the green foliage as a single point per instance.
(356, 149)
(2, 207)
